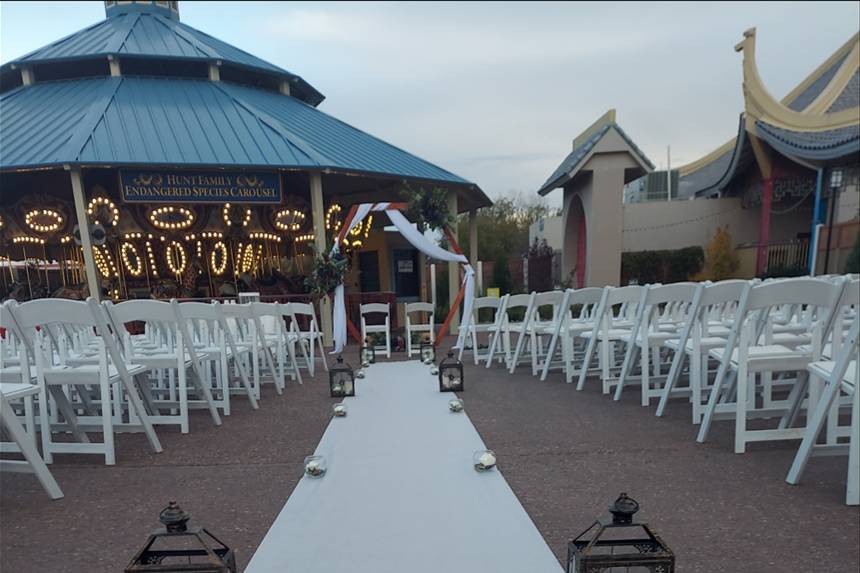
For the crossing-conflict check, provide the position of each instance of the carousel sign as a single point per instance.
(200, 187)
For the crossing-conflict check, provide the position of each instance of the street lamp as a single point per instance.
(835, 185)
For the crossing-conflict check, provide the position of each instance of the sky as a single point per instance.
(496, 92)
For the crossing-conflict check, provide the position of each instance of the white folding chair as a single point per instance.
(497, 334)
(546, 315)
(246, 331)
(309, 340)
(384, 328)
(166, 345)
(79, 367)
(417, 327)
(272, 335)
(32, 462)
(526, 302)
(752, 355)
(609, 329)
(477, 327)
(664, 309)
(705, 331)
(578, 310)
(840, 375)
(212, 339)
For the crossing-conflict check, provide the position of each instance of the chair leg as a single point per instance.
(810, 436)
(16, 431)
(711, 407)
(107, 422)
(746, 382)
(852, 490)
(645, 382)
(586, 362)
(183, 398)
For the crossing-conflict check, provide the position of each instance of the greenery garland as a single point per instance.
(327, 273)
(427, 209)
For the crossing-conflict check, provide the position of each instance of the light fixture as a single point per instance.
(101, 260)
(127, 251)
(176, 257)
(43, 220)
(230, 219)
(26, 239)
(289, 220)
(171, 218)
(151, 256)
(331, 222)
(307, 238)
(98, 202)
(836, 178)
(218, 268)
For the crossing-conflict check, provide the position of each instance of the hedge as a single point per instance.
(665, 267)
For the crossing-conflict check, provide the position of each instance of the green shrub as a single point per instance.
(661, 266)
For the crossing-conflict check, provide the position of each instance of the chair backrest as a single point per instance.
(373, 307)
(730, 291)
(142, 310)
(626, 294)
(486, 302)
(520, 300)
(238, 311)
(421, 307)
(44, 312)
(801, 291)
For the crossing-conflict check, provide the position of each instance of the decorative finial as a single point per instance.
(174, 518)
(623, 509)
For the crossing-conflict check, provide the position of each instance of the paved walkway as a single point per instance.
(401, 492)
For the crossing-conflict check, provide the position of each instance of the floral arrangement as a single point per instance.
(327, 273)
(427, 209)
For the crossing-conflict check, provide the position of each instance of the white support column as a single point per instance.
(453, 268)
(473, 237)
(318, 212)
(433, 284)
(84, 226)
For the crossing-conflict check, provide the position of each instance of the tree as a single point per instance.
(721, 260)
(503, 228)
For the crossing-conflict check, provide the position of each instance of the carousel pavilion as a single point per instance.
(197, 169)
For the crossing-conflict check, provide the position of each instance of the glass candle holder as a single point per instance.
(339, 410)
(315, 466)
(455, 405)
(485, 460)
(360, 374)
(434, 371)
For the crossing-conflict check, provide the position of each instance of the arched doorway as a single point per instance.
(576, 242)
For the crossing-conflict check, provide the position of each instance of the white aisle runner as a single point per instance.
(401, 493)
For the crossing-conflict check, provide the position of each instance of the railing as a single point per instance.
(789, 256)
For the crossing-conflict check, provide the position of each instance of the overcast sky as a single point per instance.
(496, 92)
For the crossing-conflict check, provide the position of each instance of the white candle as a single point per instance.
(487, 460)
(339, 410)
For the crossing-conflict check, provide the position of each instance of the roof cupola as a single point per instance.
(164, 8)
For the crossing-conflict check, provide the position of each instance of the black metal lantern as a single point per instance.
(451, 374)
(341, 379)
(619, 542)
(195, 549)
(368, 353)
(427, 351)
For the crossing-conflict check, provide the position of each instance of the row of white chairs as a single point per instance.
(735, 349)
(82, 368)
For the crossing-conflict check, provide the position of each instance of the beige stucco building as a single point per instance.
(780, 186)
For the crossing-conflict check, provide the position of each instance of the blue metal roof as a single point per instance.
(188, 122)
(152, 35)
(816, 145)
(571, 162)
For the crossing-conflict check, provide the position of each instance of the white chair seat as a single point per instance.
(16, 390)
(707, 344)
(613, 334)
(86, 373)
(823, 369)
(772, 357)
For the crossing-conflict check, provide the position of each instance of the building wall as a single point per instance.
(677, 224)
(549, 228)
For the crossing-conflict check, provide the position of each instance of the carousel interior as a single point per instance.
(148, 250)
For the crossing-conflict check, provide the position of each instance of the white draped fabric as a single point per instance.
(420, 242)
